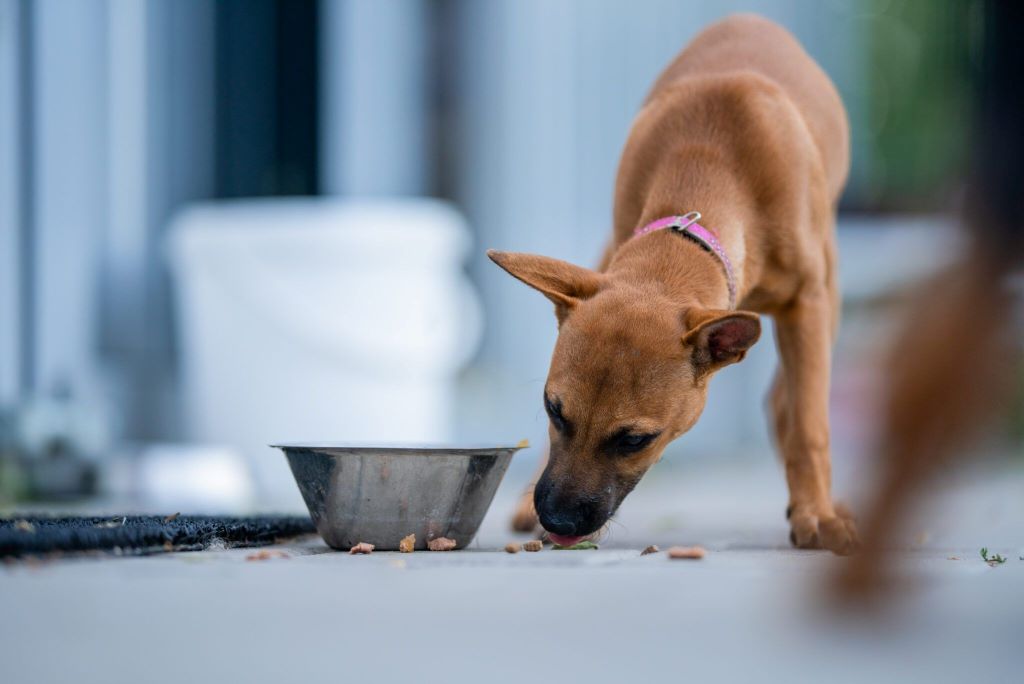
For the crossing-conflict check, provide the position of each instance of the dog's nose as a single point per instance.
(563, 513)
(558, 525)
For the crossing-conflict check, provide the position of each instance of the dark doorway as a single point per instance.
(267, 98)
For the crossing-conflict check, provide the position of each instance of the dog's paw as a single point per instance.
(524, 518)
(835, 530)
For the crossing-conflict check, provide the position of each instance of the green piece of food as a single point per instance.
(993, 560)
(582, 546)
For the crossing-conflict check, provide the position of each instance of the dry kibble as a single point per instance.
(361, 547)
(653, 548)
(512, 547)
(407, 544)
(689, 552)
(533, 545)
(441, 544)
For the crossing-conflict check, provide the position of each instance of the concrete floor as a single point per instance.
(752, 610)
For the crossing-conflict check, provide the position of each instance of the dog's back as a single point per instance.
(748, 44)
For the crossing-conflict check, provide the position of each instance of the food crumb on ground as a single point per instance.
(172, 517)
(523, 444)
(653, 548)
(441, 544)
(953, 558)
(407, 544)
(533, 545)
(266, 554)
(585, 545)
(24, 526)
(688, 552)
(512, 547)
(361, 548)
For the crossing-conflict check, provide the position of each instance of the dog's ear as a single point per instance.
(563, 283)
(720, 337)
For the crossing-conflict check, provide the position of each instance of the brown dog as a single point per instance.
(745, 128)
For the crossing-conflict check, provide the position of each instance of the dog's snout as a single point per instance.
(567, 515)
(557, 524)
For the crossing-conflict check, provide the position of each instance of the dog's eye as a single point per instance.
(554, 410)
(631, 442)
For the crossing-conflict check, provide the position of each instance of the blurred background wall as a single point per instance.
(116, 116)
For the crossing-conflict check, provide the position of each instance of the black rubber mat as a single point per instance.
(142, 534)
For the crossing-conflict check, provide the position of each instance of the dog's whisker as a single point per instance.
(604, 533)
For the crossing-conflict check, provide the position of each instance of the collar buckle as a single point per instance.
(685, 221)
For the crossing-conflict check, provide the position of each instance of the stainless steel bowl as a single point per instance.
(381, 494)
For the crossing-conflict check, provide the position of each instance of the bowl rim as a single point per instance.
(401, 447)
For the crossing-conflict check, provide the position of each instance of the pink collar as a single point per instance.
(687, 226)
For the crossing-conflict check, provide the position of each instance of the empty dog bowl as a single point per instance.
(381, 494)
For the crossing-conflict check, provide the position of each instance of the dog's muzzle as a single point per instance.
(568, 516)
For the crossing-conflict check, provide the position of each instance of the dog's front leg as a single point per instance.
(524, 518)
(801, 406)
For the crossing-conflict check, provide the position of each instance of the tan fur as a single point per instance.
(744, 127)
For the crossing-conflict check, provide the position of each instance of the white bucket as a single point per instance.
(310, 319)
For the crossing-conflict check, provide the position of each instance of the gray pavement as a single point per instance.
(752, 610)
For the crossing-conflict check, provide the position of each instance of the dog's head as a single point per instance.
(628, 375)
